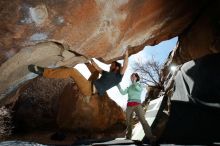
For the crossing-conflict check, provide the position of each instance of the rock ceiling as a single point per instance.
(67, 32)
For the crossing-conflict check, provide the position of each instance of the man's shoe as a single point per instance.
(36, 69)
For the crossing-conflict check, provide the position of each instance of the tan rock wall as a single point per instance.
(84, 29)
(101, 29)
(57, 104)
(100, 114)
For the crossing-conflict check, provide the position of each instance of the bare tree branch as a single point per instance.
(149, 72)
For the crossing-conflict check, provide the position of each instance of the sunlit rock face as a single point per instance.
(70, 32)
(101, 29)
(57, 105)
(101, 113)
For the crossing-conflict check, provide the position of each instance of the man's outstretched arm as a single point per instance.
(125, 64)
(96, 66)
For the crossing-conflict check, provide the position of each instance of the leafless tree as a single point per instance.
(149, 72)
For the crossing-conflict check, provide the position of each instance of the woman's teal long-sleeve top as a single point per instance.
(133, 91)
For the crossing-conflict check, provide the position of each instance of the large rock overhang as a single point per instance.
(100, 29)
(63, 32)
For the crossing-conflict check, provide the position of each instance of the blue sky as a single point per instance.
(160, 53)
